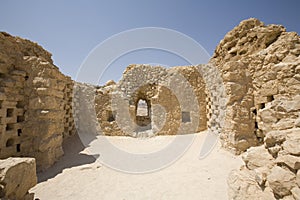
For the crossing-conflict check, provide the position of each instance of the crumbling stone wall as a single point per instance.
(260, 70)
(105, 114)
(34, 102)
(175, 98)
(251, 59)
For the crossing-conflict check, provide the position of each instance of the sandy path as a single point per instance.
(188, 178)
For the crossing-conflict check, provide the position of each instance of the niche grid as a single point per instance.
(69, 125)
(11, 118)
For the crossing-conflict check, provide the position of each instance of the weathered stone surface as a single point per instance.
(268, 115)
(297, 122)
(275, 137)
(289, 197)
(256, 157)
(35, 102)
(298, 178)
(266, 60)
(266, 68)
(174, 102)
(291, 161)
(242, 185)
(296, 192)
(274, 150)
(291, 145)
(290, 105)
(17, 176)
(281, 181)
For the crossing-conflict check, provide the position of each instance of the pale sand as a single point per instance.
(188, 178)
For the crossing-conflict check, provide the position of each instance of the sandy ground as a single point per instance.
(79, 176)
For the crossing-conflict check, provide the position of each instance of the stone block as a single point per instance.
(17, 176)
(256, 157)
(292, 161)
(281, 181)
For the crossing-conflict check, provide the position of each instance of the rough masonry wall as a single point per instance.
(169, 93)
(232, 57)
(195, 80)
(34, 102)
(105, 113)
(260, 66)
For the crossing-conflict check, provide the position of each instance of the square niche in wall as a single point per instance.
(186, 117)
(10, 112)
(111, 116)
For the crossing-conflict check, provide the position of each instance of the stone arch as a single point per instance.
(144, 93)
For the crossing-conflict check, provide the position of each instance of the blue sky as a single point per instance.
(71, 29)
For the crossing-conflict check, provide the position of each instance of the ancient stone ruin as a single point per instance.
(153, 85)
(249, 94)
(261, 70)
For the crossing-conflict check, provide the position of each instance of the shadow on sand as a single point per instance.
(71, 158)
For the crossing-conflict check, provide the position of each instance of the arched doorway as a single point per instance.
(143, 114)
(142, 108)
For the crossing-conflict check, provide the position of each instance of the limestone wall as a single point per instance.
(106, 114)
(196, 82)
(175, 98)
(260, 70)
(35, 111)
(258, 65)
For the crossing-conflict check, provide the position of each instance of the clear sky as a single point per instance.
(71, 29)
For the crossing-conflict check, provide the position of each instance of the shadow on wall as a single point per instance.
(72, 158)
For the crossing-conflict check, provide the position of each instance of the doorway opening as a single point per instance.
(143, 114)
